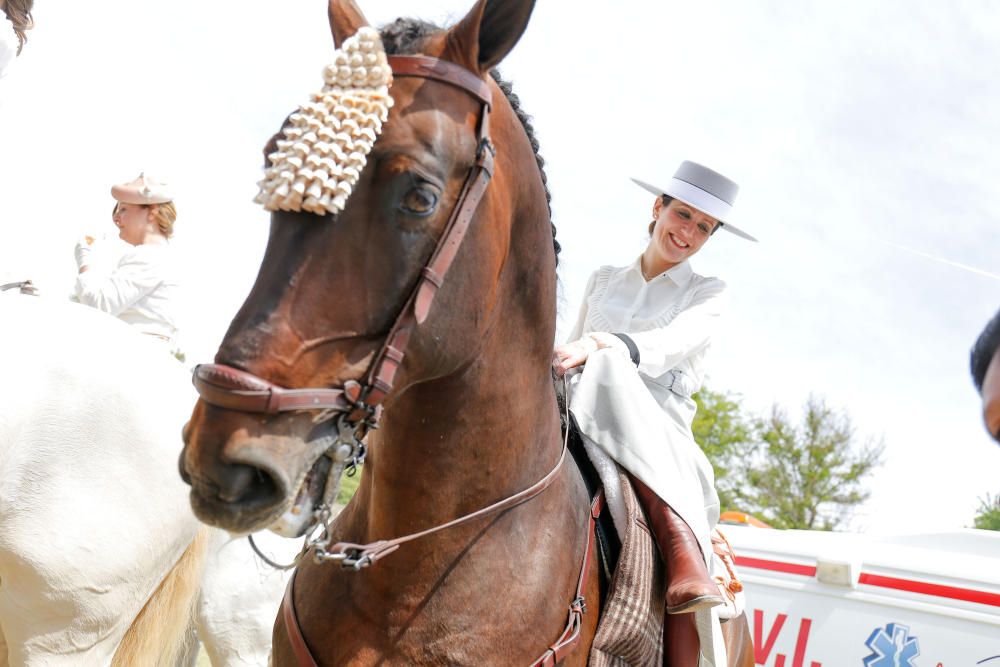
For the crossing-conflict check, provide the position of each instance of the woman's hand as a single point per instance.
(574, 354)
(82, 252)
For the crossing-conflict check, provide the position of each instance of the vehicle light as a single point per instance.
(837, 572)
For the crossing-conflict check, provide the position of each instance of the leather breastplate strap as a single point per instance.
(555, 653)
(233, 389)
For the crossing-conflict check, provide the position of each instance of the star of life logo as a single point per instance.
(892, 646)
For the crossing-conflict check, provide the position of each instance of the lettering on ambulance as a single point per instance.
(762, 647)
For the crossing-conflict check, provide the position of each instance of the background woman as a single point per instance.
(141, 288)
(643, 333)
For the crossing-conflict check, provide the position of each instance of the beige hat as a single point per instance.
(143, 190)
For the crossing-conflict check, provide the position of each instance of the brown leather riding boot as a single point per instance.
(689, 586)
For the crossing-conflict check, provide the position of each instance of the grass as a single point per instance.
(348, 485)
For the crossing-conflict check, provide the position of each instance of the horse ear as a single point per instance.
(345, 20)
(490, 30)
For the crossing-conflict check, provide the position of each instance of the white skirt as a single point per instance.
(616, 412)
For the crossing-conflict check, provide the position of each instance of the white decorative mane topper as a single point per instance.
(327, 141)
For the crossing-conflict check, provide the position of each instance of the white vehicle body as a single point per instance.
(842, 599)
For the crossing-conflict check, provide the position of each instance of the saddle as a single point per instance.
(633, 581)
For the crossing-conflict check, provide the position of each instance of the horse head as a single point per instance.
(339, 297)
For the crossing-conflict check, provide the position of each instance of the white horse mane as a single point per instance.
(326, 143)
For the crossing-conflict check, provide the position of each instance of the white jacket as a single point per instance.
(141, 289)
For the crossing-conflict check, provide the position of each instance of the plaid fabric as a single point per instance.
(630, 630)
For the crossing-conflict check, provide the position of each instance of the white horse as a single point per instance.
(101, 559)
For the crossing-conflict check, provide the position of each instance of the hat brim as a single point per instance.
(701, 200)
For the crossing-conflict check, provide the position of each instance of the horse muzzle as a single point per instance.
(243, 481)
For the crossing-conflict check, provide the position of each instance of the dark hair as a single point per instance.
(666, 199)
(19, 13)
(982, 352)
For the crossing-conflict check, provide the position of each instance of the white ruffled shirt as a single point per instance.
(671, 319)
(141, 288)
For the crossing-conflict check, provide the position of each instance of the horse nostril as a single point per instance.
(243, 483)
(185, 477)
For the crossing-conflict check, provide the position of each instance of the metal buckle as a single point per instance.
(349, 559)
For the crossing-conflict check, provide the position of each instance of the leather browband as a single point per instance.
(426, 67)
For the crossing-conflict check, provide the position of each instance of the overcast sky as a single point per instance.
(863, 134)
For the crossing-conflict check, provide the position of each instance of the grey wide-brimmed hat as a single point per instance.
(708, 191)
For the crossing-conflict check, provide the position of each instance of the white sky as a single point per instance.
(863, 135)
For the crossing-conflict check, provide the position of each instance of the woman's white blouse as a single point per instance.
(671, 319)
(141, 289)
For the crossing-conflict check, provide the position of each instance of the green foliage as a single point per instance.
(808, 475)
(988, 514)
(722, 432)
(348, 486)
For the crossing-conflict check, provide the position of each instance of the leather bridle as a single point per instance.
(359, 403)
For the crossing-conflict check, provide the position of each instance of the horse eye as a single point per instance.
(419, 202)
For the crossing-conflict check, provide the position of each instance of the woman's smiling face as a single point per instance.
(681, 230)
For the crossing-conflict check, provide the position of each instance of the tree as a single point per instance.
(988, 514)
(723, 433)
(807, 476)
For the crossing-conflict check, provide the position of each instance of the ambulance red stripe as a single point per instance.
(777, 566)
(926, 588)
(869, 579)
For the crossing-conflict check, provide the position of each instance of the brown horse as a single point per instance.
(471, 416)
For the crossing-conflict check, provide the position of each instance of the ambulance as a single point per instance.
(824, 599)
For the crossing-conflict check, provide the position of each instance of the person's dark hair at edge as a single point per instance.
(19, 13)
(983, 351)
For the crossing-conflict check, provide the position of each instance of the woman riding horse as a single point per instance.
(426, 306)
(142, 287)
(645, 329)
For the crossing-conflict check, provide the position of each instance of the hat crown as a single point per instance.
(144, 190)
(708, 180)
